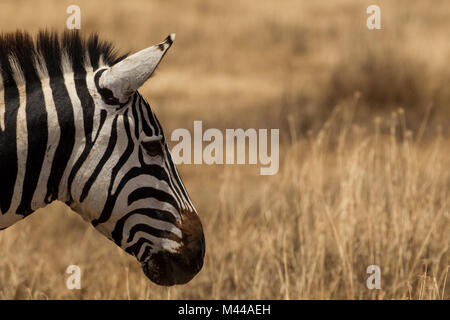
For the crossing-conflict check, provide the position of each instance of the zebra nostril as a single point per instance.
(159, 269)
(168, 269)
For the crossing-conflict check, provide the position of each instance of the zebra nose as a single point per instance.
(169, 268)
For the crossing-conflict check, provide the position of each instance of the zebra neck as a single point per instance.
(37, 140)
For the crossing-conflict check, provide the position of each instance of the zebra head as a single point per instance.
(128, 186)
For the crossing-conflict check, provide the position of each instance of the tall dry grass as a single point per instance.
(343, 200)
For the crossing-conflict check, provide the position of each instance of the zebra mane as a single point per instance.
(27, 59)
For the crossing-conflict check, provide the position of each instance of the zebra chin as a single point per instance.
(167, 268)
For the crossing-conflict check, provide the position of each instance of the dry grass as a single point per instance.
(336, 207)
(351, 191)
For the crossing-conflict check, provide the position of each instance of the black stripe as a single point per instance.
(172, 175)
(148, 131)
(178, 184)
(153, 120)
(150, 192)
(134, 107)
(146, 252)
(88, 119)
(88, 106)
(175, 174)
(103, 115)
(64, 111)
(168, 40)
(151, 128)
(151, 231)
(106, 94)
(152, 170)
(8, 143)
(125, 155)
(173, 186)
(168, 177)
(152, 213)
(109, 150)
(50, 49)
(36, 117)
(134, 249)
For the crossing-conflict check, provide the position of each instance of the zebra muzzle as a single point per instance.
(167, 268)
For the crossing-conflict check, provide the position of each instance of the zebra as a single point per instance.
(74, 128)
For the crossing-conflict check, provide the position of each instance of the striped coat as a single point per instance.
(74, 128)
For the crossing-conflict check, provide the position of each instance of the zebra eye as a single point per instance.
(153, 146)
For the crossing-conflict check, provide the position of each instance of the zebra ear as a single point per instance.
(117, 83)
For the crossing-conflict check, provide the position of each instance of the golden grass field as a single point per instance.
(364, 158)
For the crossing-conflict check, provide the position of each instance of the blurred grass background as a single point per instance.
(364, 124)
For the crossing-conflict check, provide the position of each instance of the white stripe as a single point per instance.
(69, 83)
(22, 149)
(100, 195)
(135, 183)
(66, 64)
(122, 140)
(97, 111)
(101, 62)
(174, 184)
(17, 73)
(160, 244)
(142, 250)
(92, 88)
(154, 223)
